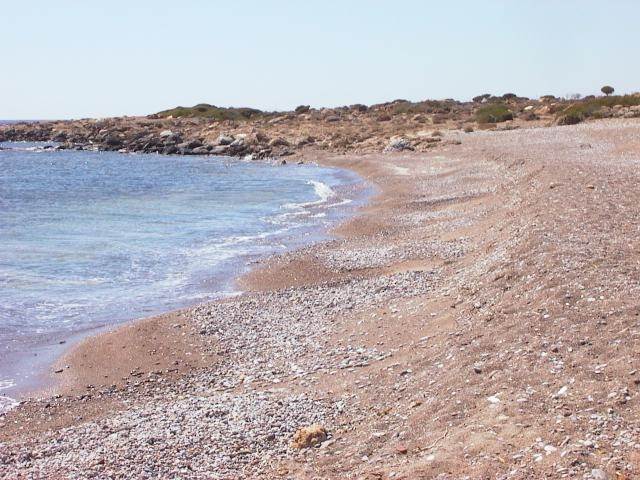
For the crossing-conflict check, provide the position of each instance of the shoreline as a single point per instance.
(478, 317)
(63, 371)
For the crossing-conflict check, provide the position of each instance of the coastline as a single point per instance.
(411, 337)
(67, 363)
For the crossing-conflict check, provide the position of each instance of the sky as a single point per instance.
(84, 58)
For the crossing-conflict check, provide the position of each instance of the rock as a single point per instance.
(225, 140)
(165, 133)
(200, 150)
(401, 449)
(332, 118)
(219, 150)
(398, 145)
(261, 137)
(277, 142)
(172, 139)
(309, 436)
(306, 140)
(170, 150)
(113, 141)
(599, 474)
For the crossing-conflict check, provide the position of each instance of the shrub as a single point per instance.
(468, 129)
(358, 107)
(607, 90)
(495, 113)
(213, 112)
(509, 96)
(482, 97)
(591, 108)
(302, 109)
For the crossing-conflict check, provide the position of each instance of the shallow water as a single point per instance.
(95, 238)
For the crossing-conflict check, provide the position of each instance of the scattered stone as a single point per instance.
(599, 474)
(398, 145)
(309, 437)
(402, 449)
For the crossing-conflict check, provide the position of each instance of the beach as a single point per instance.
(455, 326)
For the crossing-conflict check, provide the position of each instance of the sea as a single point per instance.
(91, 239)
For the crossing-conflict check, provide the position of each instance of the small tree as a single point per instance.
(607, 90)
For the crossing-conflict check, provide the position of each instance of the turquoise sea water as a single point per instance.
(94, 238)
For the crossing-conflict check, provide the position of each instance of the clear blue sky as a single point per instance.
(69, 59)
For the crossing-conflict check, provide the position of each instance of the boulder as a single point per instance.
(219, 150)
(200, 150)
(278, 142)
(261, 137)
(172, 139)
(165, 133)
(113, 141)
(398, 144)
(310, 436)
(170, 150)
(225, 140)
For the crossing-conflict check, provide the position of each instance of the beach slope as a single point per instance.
(479, 318)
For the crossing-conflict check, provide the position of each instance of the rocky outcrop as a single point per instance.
(391, 127)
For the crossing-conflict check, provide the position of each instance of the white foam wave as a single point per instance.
(6, 403)
(322, 190)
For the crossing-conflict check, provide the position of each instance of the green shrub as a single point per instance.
(592, 108)
(211, 111)
(494, 113)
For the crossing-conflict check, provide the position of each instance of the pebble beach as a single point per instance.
(477, 319)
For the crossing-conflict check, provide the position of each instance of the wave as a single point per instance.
(322, 190)
(6, 403)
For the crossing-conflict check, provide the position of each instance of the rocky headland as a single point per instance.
(243, 132)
